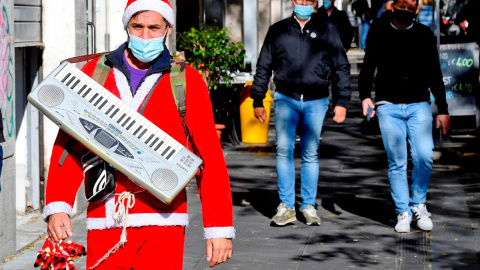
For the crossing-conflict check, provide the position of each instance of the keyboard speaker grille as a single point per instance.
(164, 179)
(50, 95)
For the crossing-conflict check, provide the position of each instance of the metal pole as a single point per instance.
(282, 12)
(94, 43)
(433, 17)
(107, 25)
(94, 19)
(437, 10)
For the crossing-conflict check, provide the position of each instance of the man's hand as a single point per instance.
(219, 250)
(260, 114)
(443, 120)
(55, 227)
(366, 104)
(340, 114)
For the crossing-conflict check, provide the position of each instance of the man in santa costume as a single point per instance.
(132, 229)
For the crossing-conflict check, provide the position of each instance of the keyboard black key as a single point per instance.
(131, 124)
(75, 84)
(71, 80)
(149, 138)
(98, 101)
(166, 150)
(81, 90)
(158, 146)
(103, 104)
(110, 109)
(86, 93)
(121, 118)
(115, 112)
(94, 97)
(171, 153)
(126, 121)
(143, 133)
(66, 77)
(138, 130)
(154, 141)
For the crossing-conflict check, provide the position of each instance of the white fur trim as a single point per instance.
(134, 102)
(140, 220)
(56, 207)
(219, 232)
(109, 209)
(159, 6)
(135, 220)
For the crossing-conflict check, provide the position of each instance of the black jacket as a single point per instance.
(407, 65)
(339, 18)
(304, 62)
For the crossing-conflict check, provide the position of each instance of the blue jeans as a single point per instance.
(308, 116)
(397, 123)
(363, 40)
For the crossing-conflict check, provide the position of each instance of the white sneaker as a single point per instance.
(422, 216)
(284, 215)
(403, 223)
(310, 214)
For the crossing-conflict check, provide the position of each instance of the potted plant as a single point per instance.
(212, 52)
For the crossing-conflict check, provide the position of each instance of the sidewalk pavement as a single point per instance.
(353, 201)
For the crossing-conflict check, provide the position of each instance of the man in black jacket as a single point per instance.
(405, 55)
(340, 19)
(306, 55)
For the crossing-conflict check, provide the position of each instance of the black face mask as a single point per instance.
(403, 17)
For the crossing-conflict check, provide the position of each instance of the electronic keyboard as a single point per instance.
(115, 132)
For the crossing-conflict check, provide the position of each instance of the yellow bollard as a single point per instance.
(251, 129)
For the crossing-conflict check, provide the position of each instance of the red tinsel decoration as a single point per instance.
(59, 256)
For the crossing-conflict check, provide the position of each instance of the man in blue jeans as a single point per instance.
(306, 55)
(405, 55)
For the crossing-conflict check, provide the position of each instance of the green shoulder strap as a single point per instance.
(101, 71)
(179, 86)
(178, 83)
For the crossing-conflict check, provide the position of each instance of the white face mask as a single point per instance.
(146, 50)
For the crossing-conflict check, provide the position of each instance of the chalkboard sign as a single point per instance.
(459, 65)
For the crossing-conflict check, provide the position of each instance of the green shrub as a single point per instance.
(212, 52)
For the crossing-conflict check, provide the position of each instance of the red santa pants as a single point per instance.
(149, 247)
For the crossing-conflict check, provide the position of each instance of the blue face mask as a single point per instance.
(327, 4)
(303, 12)
(146, 50)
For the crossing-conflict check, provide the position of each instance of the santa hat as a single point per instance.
(163, 7)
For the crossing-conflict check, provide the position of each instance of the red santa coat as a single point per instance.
(213, 181)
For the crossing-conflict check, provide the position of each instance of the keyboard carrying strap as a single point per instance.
(179, 86)
(178, 83)
(101, 71)
(68, 147)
